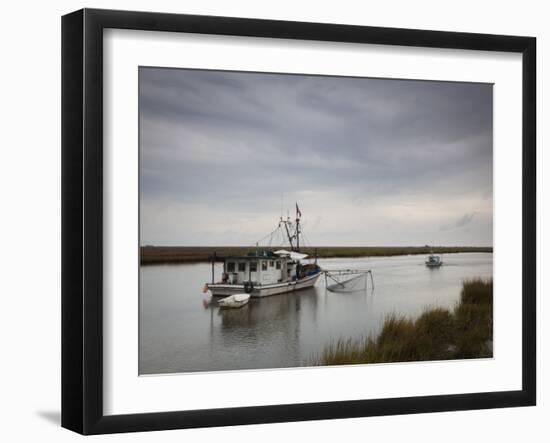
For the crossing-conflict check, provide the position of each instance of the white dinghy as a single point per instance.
(234, 301)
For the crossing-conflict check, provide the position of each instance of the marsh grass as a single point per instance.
(150, 255)
(438, 334)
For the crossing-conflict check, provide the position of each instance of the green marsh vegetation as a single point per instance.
(438, 334)
(150, 255)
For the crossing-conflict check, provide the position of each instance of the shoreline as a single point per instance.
(163, 255)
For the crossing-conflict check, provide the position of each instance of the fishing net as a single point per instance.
(345, 283)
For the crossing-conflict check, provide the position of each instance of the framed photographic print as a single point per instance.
(269, 221)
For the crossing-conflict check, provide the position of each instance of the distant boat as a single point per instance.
(234, 301)
(434, 261)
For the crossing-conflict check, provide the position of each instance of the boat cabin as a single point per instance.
(259, 267)
(434, 261)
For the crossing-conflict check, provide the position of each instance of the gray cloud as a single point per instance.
(463, 221)
(379, 161)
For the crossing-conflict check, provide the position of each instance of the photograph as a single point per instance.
(293, 220)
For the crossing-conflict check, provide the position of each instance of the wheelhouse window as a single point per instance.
(264, 265)
(271, 263)
(242, 266)
(253, 266)
(230, 266)
(277, 264)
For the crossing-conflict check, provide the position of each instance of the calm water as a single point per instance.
(180, 332)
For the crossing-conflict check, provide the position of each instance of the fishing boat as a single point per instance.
(263, 271)
(234, 301)
(434, 261)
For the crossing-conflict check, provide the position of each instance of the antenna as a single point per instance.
(298, 217)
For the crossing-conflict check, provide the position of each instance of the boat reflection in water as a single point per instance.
(269, 328)
(280, 309)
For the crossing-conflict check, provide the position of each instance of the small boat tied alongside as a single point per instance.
(234, 301)
(264, 271)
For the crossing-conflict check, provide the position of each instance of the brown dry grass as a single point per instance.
(192, 254)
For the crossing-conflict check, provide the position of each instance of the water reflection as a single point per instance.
(284, 308)
(182, 330)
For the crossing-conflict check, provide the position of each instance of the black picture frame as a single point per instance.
(82, 220)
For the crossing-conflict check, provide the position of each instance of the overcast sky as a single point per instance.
(369, 161)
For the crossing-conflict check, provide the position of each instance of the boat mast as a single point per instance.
(298, 215)
(297, 234)
(286, 222)
(297, 231)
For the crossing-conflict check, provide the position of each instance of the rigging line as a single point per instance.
(279, 235)
(306, 238)
(273, 234)
(282, 238)
(266, 236)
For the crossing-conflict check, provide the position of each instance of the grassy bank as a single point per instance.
(193, 254)
(438, 334)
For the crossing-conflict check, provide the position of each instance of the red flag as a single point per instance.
(298, 212)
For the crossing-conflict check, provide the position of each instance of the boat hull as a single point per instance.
(218, 290)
